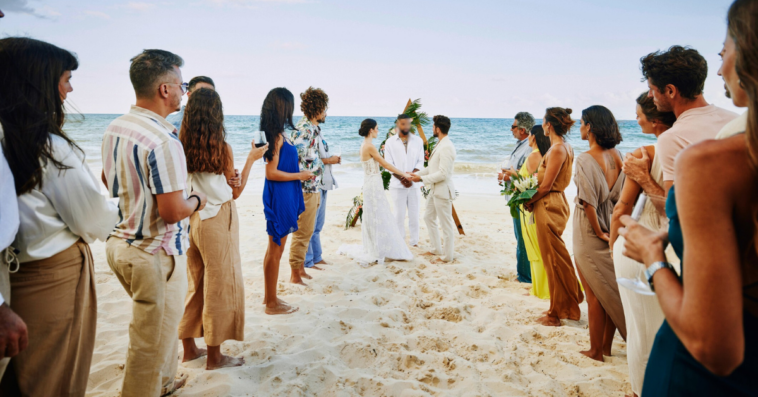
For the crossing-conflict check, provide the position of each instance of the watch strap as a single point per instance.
(652, 269)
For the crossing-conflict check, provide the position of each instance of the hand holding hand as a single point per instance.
(258, 152)
(637, 169)
(13, 333)
(414, 178)
(235, 181)
(641, 243)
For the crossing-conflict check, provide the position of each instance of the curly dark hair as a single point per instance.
(442, 122)
(203, 134)
(682, 67)
(313, 102)
(603, 126)
(651, 111)
(559, 119)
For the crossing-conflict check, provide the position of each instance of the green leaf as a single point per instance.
(515, 211)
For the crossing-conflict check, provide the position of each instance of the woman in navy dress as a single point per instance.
(708, 345)
(282, 194)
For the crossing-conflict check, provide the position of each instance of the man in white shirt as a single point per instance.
(406, 152)
(13, 335)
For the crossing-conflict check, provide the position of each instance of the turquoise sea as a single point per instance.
(481, 144)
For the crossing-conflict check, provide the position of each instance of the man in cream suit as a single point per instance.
(438, 177)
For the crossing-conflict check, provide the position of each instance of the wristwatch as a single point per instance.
(652, 269)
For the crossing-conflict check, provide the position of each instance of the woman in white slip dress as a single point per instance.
(381, 239)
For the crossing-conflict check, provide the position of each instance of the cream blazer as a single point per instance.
(438, 176)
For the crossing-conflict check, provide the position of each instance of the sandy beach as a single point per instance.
(401, 329)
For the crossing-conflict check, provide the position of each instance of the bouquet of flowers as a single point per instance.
(355, 213)
(521, 189)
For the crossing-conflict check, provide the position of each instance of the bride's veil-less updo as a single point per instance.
(366, 127)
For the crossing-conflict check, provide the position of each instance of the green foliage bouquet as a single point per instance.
(521, 189)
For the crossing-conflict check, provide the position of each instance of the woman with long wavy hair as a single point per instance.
(215, 305)
(708, 344)
(61, 211)
(282, 195)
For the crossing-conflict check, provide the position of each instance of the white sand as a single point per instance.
(402, 329)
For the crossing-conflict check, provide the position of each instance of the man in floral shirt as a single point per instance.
(307, 139)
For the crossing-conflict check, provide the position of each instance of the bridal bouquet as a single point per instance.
(355, 213)
(521, 189)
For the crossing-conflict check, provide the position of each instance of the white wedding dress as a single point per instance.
(381, 239)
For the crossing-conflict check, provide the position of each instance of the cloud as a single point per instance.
(137, 6)
(23, 7)
(97, 14)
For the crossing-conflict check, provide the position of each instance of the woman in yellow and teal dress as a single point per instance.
(540, 145)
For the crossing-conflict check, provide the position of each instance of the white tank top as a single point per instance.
(215, 188)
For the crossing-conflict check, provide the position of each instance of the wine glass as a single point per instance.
(640, 285)
(310, 156)
(259, 138)
(338, 152)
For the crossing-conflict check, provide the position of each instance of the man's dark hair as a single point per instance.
(200, 79)
(403, 116)
(442, 122)
(682, 67)
(149, 67)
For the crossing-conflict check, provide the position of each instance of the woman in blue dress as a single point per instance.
(708, 345)
(282, 194)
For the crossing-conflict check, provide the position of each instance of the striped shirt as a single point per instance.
(142, 157)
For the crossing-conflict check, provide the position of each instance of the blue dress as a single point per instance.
(283, 201)
(672, 371)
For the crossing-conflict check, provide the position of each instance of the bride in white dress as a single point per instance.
(381, 239)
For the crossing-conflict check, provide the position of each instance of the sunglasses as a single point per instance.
(513, 127)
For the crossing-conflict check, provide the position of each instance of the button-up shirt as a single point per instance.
(327, 178)
(517, 159)
(176, 119)
(405, 158)
(307, 136)
(142, 157)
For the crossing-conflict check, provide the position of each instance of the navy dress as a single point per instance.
(672, 371)
(283, 201)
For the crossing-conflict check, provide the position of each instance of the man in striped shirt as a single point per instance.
(145, 168)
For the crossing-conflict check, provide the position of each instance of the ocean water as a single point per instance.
(481, 144)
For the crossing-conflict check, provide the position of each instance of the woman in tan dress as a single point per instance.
(598, 182)
(551, 213)
(642, 313)
(215, 305)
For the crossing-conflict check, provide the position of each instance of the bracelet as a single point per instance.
(198, 201)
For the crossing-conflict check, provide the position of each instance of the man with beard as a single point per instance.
(676, 78)
(314, 156)
(405, 151)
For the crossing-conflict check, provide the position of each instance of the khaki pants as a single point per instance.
(305, 225)
(157, 285)
(57, 300)
(5, 291)
(215, 305)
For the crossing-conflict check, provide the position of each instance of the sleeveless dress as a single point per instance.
(529, 233)
(381, 238)
(642, 313)
(672, 371)
(283, 201)
(591, 254)
(551, 214)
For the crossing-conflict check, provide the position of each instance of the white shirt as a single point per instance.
(215, 188)
(8, 207)
(66, 207)
(395, 154)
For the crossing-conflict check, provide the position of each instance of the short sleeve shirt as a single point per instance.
(143, 157)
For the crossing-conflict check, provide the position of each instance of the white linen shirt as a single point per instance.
(8, 207)
(67, 206)
(395, 154)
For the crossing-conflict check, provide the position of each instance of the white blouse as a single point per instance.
(66, 207)
(215, 187)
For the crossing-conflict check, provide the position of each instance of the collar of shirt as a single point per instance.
(142, 112)
(519, 143)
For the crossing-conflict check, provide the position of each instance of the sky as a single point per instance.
(468, 58)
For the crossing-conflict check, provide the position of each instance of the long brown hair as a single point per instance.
(31, 108)
(203, 134)
(742, 21)
(560, 119)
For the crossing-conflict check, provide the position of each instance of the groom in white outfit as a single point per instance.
(438, 178)
(405, 151)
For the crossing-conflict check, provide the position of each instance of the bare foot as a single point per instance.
(549, 321)
(280, 308)
(225, 362)
(593, 355)
(297, 276)
(317, 268)
(178, 384)
(321, 262)
(428, 254)
(527, 294)
(437, 261)
(190, 355)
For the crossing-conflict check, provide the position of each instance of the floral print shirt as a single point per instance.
(306, 136)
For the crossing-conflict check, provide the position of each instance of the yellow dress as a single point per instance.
(529, 233)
